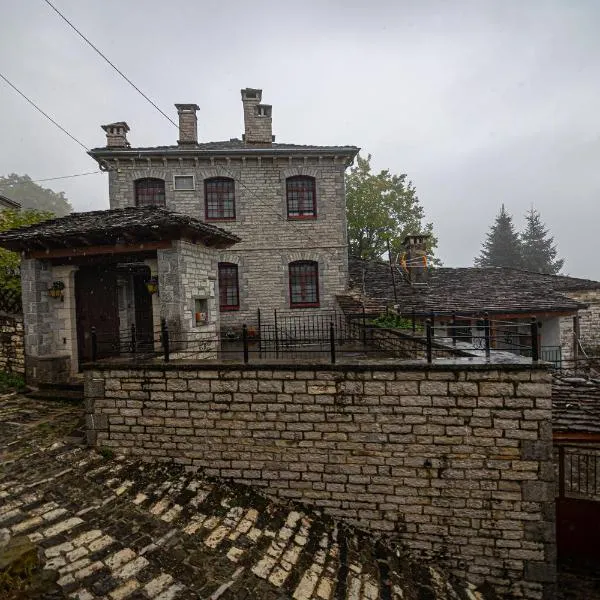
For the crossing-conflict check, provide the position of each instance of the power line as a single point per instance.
(55, 178)
(87, 41)
(251, 192)
(14, 87)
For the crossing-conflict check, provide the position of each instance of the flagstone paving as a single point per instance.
(113, 528)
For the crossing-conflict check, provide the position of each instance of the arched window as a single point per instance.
(229, 290)
(301, 197)
(219, 199)
(304, 283)
(149, 192)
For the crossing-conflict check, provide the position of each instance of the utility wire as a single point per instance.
(87, 41)
(54, 178)
(251, 192)
(43, 113)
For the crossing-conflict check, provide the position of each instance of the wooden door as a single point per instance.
(144, 322)
(96, 306)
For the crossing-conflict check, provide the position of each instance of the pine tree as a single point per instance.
(502, 247)
(539, 250)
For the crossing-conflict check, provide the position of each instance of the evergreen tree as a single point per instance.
(502, 247)
(539, 250)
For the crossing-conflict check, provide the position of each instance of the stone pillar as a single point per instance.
(170, 288)
(66, 331)
(36, 278)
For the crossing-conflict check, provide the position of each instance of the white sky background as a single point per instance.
(480, 102)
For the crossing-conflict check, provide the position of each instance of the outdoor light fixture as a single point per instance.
(56, 291)
(152, 285)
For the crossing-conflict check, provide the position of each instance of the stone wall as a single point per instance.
(589, 319)
(270, 241)
(453, 460)
(12, 357)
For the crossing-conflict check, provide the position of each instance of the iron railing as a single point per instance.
(324, 335)
(579, 472)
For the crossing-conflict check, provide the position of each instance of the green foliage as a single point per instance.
(538, 248)
(32, 196)
(502, 247)
(394, 321)
(381, 207)
(9, 261)
(10, 382)
(107, 453)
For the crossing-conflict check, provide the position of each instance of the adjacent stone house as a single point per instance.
(286, 202)
(567, 308)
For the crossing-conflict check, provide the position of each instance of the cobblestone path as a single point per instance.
(117, 529)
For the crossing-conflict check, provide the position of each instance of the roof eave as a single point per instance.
(349, 151)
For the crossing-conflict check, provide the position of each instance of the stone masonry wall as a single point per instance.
(453, 460)
(12, 356)
(269, 239)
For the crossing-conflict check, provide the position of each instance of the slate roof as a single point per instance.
(6, 202)
(230, 146)
(137, 224)
(468, 290)
(575, 404)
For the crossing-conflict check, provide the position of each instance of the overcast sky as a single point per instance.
(480, 102)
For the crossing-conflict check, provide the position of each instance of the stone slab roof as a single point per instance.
(107, 527)
(576, 404)
(469, 290)
(231, 146)
(123, 225)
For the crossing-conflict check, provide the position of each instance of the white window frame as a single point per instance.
(175, 188)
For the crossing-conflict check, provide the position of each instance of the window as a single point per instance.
(229, 293)
(149, 192)
(219, 195)
(304, 283)
(301, 197)
(183, 182)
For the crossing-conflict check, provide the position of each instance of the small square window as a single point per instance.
(183, 182)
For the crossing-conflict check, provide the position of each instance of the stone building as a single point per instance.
(198, 237)
(286, 202)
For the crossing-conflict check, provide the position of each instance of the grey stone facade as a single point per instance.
(270, 240)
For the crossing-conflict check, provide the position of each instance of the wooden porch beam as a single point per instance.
(94, 250)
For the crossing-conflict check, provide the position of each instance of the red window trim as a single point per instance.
(232, 267)
(300, 263)
(207, 182)
(139, 191)
(313, 182)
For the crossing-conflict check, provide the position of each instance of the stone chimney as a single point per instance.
(116, 135)
(188, 123)
(258, 123)
(414, 259)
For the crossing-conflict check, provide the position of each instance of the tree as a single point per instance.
(9, 261)
(539, 250)
(502, 247)
(381, 207)
(32, 196)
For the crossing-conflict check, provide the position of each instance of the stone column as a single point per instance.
(66, 332)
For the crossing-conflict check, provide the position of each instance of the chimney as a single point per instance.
(188, 123)
(116, 135)
(258, 124)
(414, 258)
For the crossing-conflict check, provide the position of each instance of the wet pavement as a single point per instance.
(116, 529)
(113, 528)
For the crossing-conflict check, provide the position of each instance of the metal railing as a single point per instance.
(579, 472)
(323, 335)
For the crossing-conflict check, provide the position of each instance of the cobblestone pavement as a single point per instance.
(117, 529)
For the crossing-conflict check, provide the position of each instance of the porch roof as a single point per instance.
(116, 226)
(468, 290)
(576, 404)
